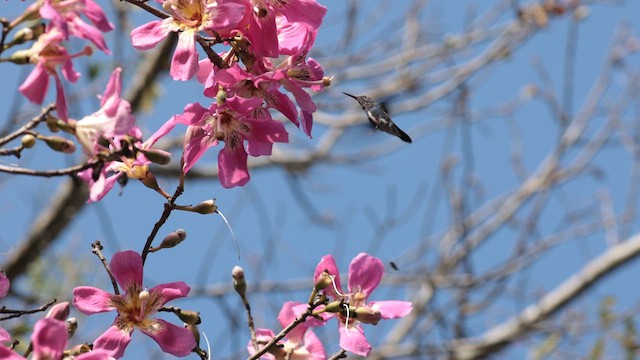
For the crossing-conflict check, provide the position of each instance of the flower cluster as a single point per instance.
(112, 130)
(365, 274)
(351, 309)
(49, 52)
(267, 58)
(49, 339)
(264, 68)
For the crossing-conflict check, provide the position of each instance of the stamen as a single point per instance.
(335, 288)
(144, 298)
(235, 240)
(206, 339)
(346, 320)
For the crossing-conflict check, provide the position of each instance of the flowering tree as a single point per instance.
(201, 101)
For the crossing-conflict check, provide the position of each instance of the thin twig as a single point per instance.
(97, 249)
(18, 313)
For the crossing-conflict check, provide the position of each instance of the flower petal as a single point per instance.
(185, 57)
(4, 337)
(149, 35)
(365, 273)
(196, 143)
(8, 354)
(232, 167)
(170, 291)
(314, 346)
(114, 341)
(35, 85)
(352, 339)
(90, 300)
(392, 309)
(94, 12)
(49, 338)
(61, 102)
(172, 339)
(127, 268)
(286, 316)
(94, 355)
(263, 336)
(4, 284)
(329, 263)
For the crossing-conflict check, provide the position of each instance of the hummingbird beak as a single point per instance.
(355, 97)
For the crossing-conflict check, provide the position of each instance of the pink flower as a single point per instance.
(300, 72)
(49, 339)
(233, 122)
(111, 129)
(134, 309)
(4, 290)
(267, 16)
(301, 343)
(114, 118)
(365, 273)
(48, 54)
(65, 15)
(132, 163)
(264, 87)
(188, 17)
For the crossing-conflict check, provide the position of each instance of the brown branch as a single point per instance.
(502, 335)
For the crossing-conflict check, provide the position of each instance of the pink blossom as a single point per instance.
(65, 15)
(114, 118)
(111, 129)
(266, 17)
(300, 72)
(264, 87)
(49, 339)
(4, 290)
(134, 309)
(187, 18)
(233, 122)
(300, 343)
(365, 273)
(48, 54)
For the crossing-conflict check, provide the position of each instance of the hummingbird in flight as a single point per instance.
(379, 118)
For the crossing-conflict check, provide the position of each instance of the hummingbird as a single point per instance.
(379, 118)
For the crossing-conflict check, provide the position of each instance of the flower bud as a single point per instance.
(221, 96)
(157, 156)
(147, 180)
(581, 13)
(189, 317)
(239, 282)
(206, 207)
(368, 315)
(334, 306)
(52, 123)
(72, 326)
(59, 311)
(323, 281)
(28, 141)
(195, 332)
(59, 144)
(173, 239)
(28, 33)
(20, 57)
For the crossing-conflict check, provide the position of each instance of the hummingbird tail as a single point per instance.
(402, 135)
